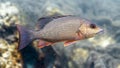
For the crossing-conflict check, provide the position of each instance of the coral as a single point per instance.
(9, 55)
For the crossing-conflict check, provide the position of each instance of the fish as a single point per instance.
(53, 29)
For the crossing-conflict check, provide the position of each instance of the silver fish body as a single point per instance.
(57, 29)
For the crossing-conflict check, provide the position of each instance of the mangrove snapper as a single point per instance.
(53, 29)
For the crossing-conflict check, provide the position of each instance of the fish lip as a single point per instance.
(100, 31)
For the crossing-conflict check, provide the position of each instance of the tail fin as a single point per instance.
(25, 36)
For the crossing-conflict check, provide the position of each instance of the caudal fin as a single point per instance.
(25, 36)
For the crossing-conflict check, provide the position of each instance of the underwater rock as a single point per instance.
(9, 55)
(114, 50)
(94, 61)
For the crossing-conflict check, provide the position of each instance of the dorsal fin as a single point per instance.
(45, 20)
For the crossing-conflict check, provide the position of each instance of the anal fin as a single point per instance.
(42, 43)
(67, 43)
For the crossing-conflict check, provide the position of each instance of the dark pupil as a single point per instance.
(92, 26)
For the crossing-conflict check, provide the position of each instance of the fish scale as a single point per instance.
(60, 31)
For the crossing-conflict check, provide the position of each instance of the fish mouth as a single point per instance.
(100, 31)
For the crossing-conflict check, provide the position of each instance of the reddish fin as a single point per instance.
(67, 43)
(42, 44)
(25, 37)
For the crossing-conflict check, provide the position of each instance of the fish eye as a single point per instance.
(92, 26)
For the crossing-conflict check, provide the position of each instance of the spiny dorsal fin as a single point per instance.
(45, 20)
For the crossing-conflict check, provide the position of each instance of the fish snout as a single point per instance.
(100, 31)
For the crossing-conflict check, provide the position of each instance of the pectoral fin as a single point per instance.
(79, 36)
(67, 43)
